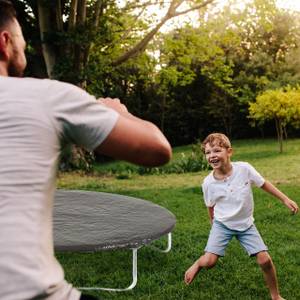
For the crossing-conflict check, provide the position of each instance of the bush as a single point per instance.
(75, 158)
(192, 163)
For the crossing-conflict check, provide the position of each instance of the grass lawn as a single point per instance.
(160, 276)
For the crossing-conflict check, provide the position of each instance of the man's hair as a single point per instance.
(219, 139)
(7, 13)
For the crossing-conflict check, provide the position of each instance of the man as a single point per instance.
(35, 117)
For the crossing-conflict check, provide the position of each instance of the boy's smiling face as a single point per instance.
(217, 156)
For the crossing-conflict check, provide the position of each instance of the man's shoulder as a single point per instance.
(54, 89)
(46, 82)
(36, 83)
(43, 85)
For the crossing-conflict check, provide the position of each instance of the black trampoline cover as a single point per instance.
(91, 221)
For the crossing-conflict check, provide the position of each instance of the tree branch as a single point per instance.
(193, 8)
(129, 6)
(141, 46)
(127, 32)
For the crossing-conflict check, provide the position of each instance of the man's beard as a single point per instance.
(15, 71)
(15, 67)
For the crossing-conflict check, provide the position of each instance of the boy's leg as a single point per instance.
(253, 243)
(218, 239)
(208, 260)
(264, 260)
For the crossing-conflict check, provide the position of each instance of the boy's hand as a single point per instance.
(292, 206)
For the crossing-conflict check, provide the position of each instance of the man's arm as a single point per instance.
(290, 204)
(133, 139)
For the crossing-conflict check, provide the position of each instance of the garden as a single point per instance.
(160, 276)
(191, 67)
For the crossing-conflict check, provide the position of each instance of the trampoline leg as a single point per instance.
(130, 287)
(169, 246)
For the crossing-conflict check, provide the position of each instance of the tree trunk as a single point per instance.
(279, 130)
(98, 12)
(80, 49)
(44, 17)
(73, 13)
(285, 133)
(163, 112)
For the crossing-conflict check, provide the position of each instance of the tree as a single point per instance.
(268, 55)
(281, 105)
(172, 12)
(189, 81)
(70, 28)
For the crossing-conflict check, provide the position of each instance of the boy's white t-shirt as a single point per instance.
(35, 117)
(232, 197)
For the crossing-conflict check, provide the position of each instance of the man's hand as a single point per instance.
(115, 104)
(133, 139)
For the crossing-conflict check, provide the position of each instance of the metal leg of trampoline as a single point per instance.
(134, 269)
(169, 246)
(130, 287)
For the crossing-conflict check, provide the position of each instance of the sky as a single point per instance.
(285, 4)
(290, 4)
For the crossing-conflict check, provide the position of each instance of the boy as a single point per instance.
(228, 196)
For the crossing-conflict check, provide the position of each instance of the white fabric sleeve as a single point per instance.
(81, 119)
(207, 196)
(254, 176)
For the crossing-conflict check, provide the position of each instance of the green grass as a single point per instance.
(160, 276)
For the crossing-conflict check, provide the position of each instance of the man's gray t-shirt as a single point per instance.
(35, 117)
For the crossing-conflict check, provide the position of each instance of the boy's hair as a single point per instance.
(216, 138)
(7, 13)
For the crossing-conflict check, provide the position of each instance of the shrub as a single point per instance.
(193, 162)
(187, 163)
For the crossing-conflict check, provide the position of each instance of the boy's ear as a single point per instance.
(4, 42)
(230, 151)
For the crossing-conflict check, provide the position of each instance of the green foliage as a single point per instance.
(190, 81)
(194, 161)
(282, 106)
(187, 163)
(269, 39)
(76, 158)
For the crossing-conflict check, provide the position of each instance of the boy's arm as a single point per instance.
(290, 204)
(210, 213)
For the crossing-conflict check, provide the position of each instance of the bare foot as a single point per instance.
(191, 273)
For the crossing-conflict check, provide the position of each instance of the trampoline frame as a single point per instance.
(134, 268)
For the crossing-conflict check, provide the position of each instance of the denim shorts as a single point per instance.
(220, 236)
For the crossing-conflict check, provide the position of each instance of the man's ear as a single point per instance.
(4, 42)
